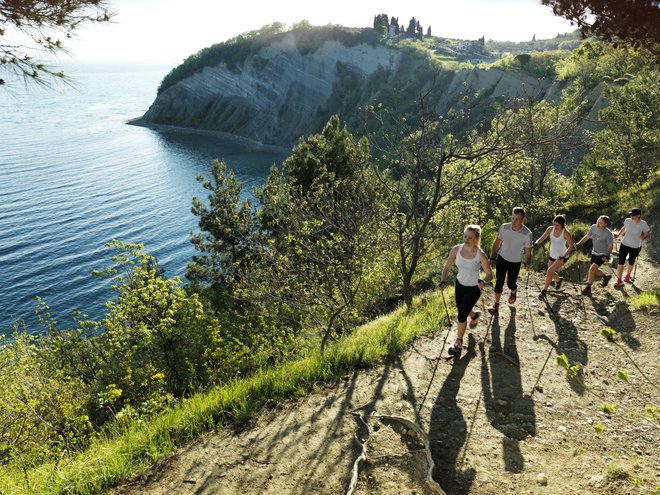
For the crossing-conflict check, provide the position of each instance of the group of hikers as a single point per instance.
(513, 247)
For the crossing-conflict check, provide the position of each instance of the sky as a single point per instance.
(167, 31)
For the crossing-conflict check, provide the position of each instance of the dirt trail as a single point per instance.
(494, 426)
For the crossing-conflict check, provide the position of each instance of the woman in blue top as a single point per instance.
(470, 260)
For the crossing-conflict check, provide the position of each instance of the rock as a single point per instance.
(398, 406)
(502, 403)
(562, 429)
(542, 479)
(595, 481)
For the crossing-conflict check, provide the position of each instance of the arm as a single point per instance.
(485, 265)
(571, 245)
(583, 240)
(543, 237)
(496, 248)
(450, 261)
(622, 231)
(646, 235)
(528, 257)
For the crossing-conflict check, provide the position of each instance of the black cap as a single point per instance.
(635, 211)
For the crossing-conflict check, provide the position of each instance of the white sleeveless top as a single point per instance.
(558, 245)
(468, 268)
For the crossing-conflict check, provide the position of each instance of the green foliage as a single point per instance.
(614, 472)
(142, 441)
(43, 413)
(599, 428)
(608, 408)
(625, 151)
(646, 300)
(320, 218)
(41, 25)
(608, 334)
(228, 240)
(594, 62)
(572, 370)
(622, 375)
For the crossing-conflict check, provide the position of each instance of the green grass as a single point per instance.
(646, 300)
(108, 461)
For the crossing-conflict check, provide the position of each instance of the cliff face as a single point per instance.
(276, 96)
(279, 94)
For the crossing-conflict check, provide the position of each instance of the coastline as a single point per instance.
(250, 143)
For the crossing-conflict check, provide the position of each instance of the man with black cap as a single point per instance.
(601, 251)
(634, 231)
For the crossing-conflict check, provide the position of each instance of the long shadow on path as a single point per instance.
(448, 431)
(508, 409)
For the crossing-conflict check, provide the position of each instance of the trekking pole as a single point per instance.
(579, 270)
(636, 263)
(442, 293)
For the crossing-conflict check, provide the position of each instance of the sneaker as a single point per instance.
(542, 294)
(618, 284)
(606, 280)
(559, 282)
(627, 278)
(455, 349)
(512, 298)
(587, 290)
(494, 309)
(475, 319)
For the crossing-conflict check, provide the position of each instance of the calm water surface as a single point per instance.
(74, 176)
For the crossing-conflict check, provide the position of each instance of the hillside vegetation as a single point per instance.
(356, 222)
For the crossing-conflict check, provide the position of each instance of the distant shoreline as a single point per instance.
(250, 143)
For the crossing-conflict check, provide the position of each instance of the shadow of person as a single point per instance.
(448, 430)
(569, 343)
(621, 320)
(507, 408)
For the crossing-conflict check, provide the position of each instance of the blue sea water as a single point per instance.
(74, 175)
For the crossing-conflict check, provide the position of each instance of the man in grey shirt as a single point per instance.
(603, 242)
(512, 239)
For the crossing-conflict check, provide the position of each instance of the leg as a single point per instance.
(553, 268)
(631, 262)
(500, 274)
(512, 279)
(466, 298)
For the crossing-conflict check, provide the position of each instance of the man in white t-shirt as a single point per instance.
(634, 231)
(512, 240)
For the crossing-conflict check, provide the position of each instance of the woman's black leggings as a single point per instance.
(503, 267)
(466, 298)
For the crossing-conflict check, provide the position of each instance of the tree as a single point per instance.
(635, 22)
(318, 215)
(227, 237)
(626, 151)
(412, 27)
(381, 23)
(427, 169)
(42, 22)
(428, 32)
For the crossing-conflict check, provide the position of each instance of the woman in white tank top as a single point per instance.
(470, 260)
(561, 246)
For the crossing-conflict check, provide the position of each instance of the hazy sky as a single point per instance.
(167, 31)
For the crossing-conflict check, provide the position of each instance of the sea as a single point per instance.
(74, 176)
